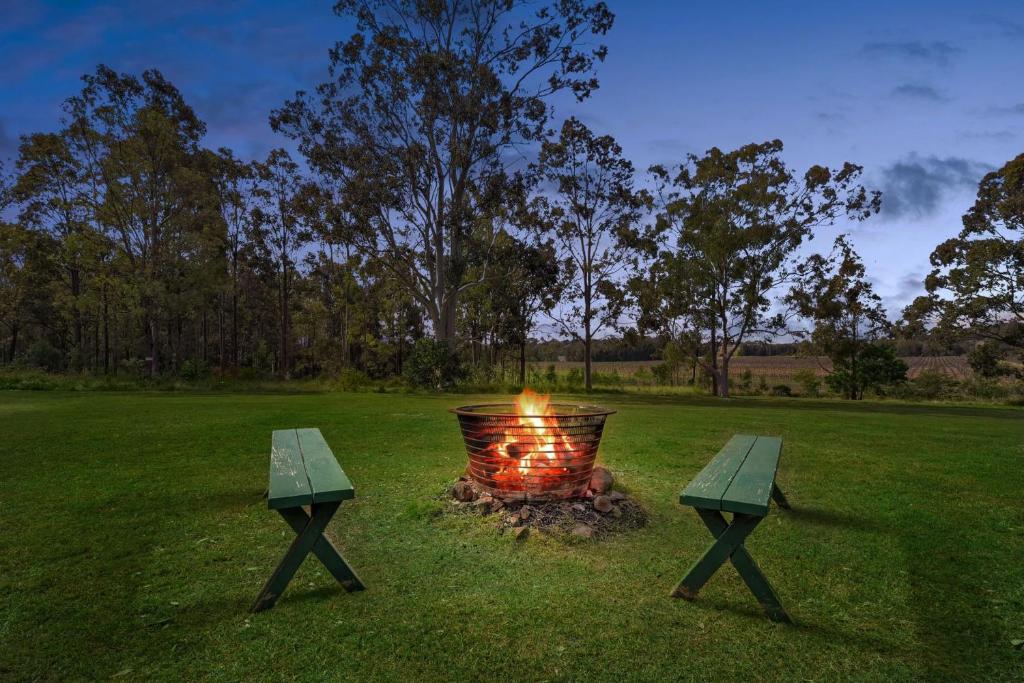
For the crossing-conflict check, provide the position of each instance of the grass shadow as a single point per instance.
(825, 517)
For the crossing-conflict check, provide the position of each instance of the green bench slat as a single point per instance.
(289, 485)
(708, 487)
(751, 488)
(326, 477)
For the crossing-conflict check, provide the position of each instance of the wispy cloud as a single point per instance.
(918, 91)
(1012, 110)
(1005, 27)
(915, 187)
(937, 53)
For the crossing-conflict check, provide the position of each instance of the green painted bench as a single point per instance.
(740, 480)
(304, 472)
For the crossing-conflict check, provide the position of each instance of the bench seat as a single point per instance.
(303, 471)
(740, 478)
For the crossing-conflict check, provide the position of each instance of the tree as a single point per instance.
(140, 142)
(278, 217)
(977, 282)
(725, 239)
(876, 366)
(524, 281)
(592, 205)
(833, 293)
(425, 102)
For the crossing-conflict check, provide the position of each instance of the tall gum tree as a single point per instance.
(724, 241)
(592, 204)
(425, 102)
(977, 282)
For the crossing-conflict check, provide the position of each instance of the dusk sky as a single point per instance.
(927, 96)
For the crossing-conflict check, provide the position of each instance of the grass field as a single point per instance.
(780, 368)
(133, 538)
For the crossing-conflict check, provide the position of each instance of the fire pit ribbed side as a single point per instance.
(523, 457)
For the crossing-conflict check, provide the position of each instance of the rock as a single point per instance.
(524, 513)
(496, 505)
(616, 512)
(521, 533)
(583, 531)
(603, 504)
(601, 480)
(463, 492)
(579, 507)
(617, 496)
(588, 494)
(483, 503)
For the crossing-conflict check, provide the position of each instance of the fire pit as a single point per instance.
(531, 449)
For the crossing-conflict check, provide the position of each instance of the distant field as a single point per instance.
(779, 367)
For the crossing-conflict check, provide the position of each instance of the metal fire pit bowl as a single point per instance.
(526, 457)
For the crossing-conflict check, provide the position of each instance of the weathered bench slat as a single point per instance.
(751, 488)
(328, 480)
(289, 485)
(708, 487)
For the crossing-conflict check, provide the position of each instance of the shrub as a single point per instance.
(350, 379)
(810, 383)
(746, 380)
(432, 364)
(574, 378)
(191, 370)
(781, 390)
(762, 385)
(43, 355)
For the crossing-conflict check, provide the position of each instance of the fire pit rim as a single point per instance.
(580, 410)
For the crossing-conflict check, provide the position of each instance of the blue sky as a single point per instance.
(927, 96)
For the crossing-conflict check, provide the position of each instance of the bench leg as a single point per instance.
(729, 545)
(779, 497)
(308, 537)
(325, 551)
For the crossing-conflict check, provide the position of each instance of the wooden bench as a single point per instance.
(304, 472)
(740, 480)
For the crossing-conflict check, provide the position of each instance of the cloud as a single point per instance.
(1012, 110)
(915, 91)
(1005, 27)
(937, 53)
(1001, 135)
(915, 187)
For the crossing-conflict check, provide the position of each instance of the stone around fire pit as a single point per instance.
(600, 515)
(601, 480)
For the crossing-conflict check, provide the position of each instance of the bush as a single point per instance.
(432, 364)
(350, 379)
(781, 390)
(574, 378)
(746, 380)
(810, 383)
(191, 370)
(44, 356)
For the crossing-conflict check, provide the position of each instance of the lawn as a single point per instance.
(133, 538)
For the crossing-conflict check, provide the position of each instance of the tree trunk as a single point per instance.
(522, 362)
(14, 343)
(723, 378)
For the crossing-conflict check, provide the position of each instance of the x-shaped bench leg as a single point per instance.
(729, 545)
(309, 530)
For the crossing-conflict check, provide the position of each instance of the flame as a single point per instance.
(532, 452)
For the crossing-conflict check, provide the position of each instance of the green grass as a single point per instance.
(133, 538)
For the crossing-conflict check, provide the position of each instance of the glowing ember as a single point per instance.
(531, 448)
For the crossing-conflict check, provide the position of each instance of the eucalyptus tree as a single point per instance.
(976, 286)
(725, 239)
(425, 104)
(833, 294)
(282, 234)
(139, 140)
(591, 205)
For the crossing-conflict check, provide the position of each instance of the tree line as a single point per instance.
(437, 212)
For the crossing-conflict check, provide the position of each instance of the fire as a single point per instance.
(532, 452)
